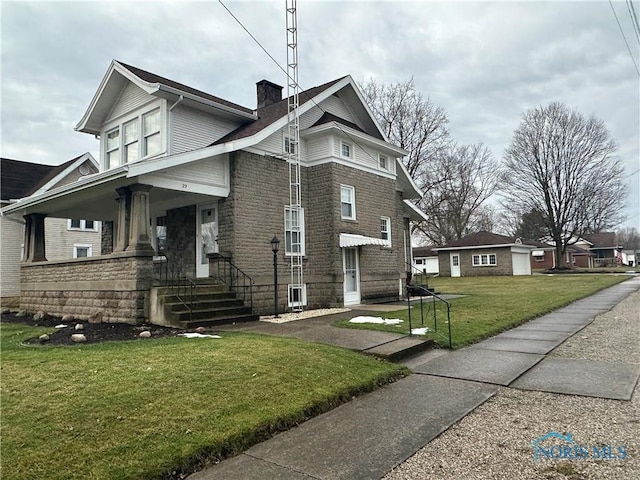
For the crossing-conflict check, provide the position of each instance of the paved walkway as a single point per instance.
(369, 436)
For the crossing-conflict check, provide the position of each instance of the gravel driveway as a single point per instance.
(495, 441)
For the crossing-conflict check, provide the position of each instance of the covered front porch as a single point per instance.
(147, 221)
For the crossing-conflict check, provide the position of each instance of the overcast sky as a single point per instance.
(485, 63)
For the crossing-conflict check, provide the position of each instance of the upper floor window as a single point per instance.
(134, 139)
(347, 202)
(289, 145)
(346, 150)
(151, 122)
(385, 229)
(86, 225)
(294, 231)
(383, 162)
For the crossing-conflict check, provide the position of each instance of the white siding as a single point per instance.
(192, 129)
(59, 241)
(12, 235)
(210, 171)
(318, 148)
(362, 155)
(132, 97)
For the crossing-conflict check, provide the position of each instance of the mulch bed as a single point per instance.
(94, 332)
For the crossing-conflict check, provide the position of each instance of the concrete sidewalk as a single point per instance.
(369, 436)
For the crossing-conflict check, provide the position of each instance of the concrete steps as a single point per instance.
(400, 348)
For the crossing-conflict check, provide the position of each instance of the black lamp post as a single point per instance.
(275, 243)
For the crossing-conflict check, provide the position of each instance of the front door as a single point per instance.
(351, 276)
(206, 237)
(455, 264)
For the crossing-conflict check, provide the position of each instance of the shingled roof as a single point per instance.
(484, 239)
(20, 179)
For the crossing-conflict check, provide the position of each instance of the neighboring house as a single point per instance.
(65, 238)
(605, 250)
(485, 253)
(544, 256)
(203, 180)
(425, 260)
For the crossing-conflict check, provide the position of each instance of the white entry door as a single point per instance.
(206, 237)
(455, 264)
(351, 276)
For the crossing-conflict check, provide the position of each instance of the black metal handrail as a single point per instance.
(222, 269)
(173, 275)
(418, 291)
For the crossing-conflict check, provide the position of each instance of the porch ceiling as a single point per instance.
(99, 201)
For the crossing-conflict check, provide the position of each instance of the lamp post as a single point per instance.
(275, 243)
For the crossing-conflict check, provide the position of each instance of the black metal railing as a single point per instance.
(223, 270)
(172, 274)
(418, 286)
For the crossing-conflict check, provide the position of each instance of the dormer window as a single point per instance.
(383, 162)
(346, 150)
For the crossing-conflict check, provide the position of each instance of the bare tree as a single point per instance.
(460, 178)
(409, 121)
(562, 164)
(629, 238)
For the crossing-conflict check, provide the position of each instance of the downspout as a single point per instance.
(180, 99)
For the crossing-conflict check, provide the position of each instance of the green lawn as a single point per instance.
(493, 304)
(139, 409)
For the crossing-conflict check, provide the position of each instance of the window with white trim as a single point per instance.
(151, 133)
(297, 295)
(346, 150)
(112, 158)
(289, 145)
(294, 231)
(383, 162)
(485, 260)
(347, 202)
(82, 250)
(83, 225)
(385, 229)
(131, 141)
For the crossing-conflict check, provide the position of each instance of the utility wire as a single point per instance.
(634, 18)
(624, 37)
(291, 79)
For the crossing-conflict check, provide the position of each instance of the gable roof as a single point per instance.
(484, 239)
(19, 179)
(601, 240)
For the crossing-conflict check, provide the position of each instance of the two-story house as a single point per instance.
(200, 180)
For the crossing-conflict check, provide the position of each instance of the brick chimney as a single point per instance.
(268, 93)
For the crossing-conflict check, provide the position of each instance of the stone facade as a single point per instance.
(116, 285)
(504, 262)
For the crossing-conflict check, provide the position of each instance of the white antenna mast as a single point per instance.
(292, 154)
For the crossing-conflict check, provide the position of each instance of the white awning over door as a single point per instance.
(353, 240)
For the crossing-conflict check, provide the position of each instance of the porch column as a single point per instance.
(34, 238)
(124, 214)
(139, 239)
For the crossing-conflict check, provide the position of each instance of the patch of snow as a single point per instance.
(197, 335)
(377, 320)
(419, 331)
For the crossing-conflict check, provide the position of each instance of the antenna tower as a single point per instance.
(294, 216)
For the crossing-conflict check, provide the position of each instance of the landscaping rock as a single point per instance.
(201, 330)
(96, 318)
(68, 318)
(44, 338)
(78, 338)
(144, 334)
(40, 314)
(4, 310)
(22, 313)
(79, 326)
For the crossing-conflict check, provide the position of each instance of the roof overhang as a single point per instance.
(484, 247)
(414, 212)
(353, 240)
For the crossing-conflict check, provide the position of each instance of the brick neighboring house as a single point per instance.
(606, 251)
(483, 254)
(65, 238)
(205, 182)
(544, 258)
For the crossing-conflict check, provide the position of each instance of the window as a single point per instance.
(419, 261)
(347, 202)
(294, 231)
(86, 225)
(82, 251)
(385, 229)
(455, 260)
(297, 295)
(113, 148)
(485, 260)
(383, 162)
(289, 145)
(151, 125)
(345, 149)
(131, 144)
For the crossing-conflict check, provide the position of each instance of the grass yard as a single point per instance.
(493, 304)
(141, 409)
